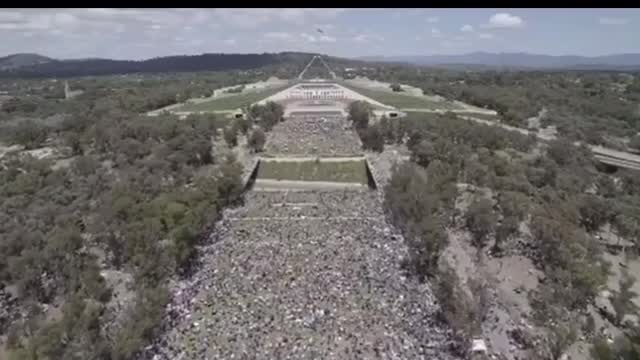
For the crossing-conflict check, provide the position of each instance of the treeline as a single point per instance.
(43, 101)
(258, 120)
(137, 197)
(181, 63)
(587, 106)
(552, 193)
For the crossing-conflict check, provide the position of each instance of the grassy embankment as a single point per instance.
(335, 171)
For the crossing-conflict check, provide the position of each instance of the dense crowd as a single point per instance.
(298, 288)
(313, 135)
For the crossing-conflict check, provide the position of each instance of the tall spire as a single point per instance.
(333, 75)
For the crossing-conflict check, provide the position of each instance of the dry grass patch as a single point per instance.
(231, 102)
(353, 171)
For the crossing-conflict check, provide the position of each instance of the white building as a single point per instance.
(316, 92)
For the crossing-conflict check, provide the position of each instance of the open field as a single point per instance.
(353, 171)
(231, 102)
(401, 101)
(482, 116)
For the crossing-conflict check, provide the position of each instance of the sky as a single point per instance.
(146, 33)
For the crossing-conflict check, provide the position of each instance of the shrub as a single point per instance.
(142, 323)
(622, 299)
(372, 138)
(396, 87)
(230, 136)
(359, 113)
(480, 220)
(634, 143)
(257, 140)
(30, 134)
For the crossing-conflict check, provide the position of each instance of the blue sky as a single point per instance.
(145, 33)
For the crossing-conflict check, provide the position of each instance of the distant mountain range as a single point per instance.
(33, 65)
(19, 60)
(519, 60)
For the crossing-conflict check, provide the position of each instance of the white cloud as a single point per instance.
(436, 32)
(367, 38)
(200, 17)
(433, 19)
(308, 37)
(10, 16)
(361, 38)
(504, 20)
(230, 42)
(315, 39)
(467, 28)
(64, 18)
(9, 26)
(613, 21)
(326, 38)
(485, 36)
(325, 26)
(450, 44)
(278, 35)
(253, 18)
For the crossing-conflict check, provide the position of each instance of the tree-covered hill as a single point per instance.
(179, 63)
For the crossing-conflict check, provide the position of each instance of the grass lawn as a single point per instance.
(401, 100)
(481, 116)
(337, 171)
(232, 102)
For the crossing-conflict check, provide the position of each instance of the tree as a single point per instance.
(372, 138)
(423, 153)
(427, 244)
(561, 151)
(257, 140)
(386, 129)
(244, 125)
(601, 350)
(419, 200)
(594, 212)
(570, 257)
(396, 87)
(142, 323)
(29, 134)
(73, 140)
(85, 165)
(184, 250)
(622, 299)
(456, 306)
(507, 227)
(267, 115)
(634, 143)
(481, 220)
(513, 204)
(560, 337)
(359, 113)
(230, 136)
